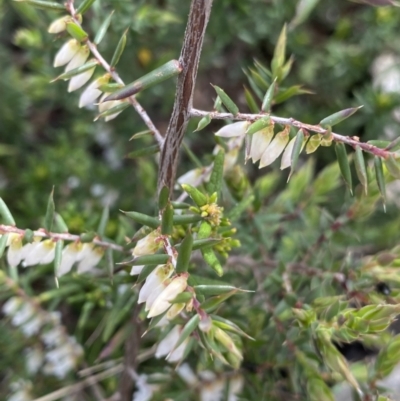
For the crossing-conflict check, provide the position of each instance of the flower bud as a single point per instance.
(78, 81)
(147, 245)
(78, 59)
(91, 93)
(15, 249)
(66, 53)
(233, 130)
(59, 25)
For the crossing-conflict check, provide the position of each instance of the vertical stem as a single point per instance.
(189, 59)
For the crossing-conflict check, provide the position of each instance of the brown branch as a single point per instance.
(189, 59)
(351, 141)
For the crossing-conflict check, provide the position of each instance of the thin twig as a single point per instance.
(189, 59)
(132, 100)
(4, 229)
(354, 141)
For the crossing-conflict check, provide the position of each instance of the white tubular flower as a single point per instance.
(22, 391)
(78, 59)
(212, 391)
(70, 255)
(23, 314)
(147, 245)
(186, 374)
(161, 304)
(78, 81)
(155, 293)
(275, 148)
(15, 252)
(235, 387)
(59, 25)
(232, 130)
(103, 106)
(136, 270)
(40, 253)
(260, 141)
(91, 257)
(195, 177)
(166, 346)
(227, 342)
(144, 390)
(12, 305)
(66, 53)
(92, 93)
(286, 160)
(154, 279)
(175, 310)
(34, 358)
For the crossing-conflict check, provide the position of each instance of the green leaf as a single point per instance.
(380, 178)
(211, 303)
(160, 74)
(303, 10)
(155, 259)
(344, 165)
(150, 150)
(212, 260)
(269, 97)
(199, 198)
(185, 252)
(113, 110)
(189, 328)
(6, 214)
(59, 224)
(76, 31)
(76, 71)
(58, 256)
(103, 29)
(110, 262)
(215, 182)
(294, 90)
(297, 148)
(226, 100)
(87, 237)
(313, 143)
(101, 229)
(111, 87)
(338, 117)
(182, 298)
(84, 6)
(227, 325)
(45, 5)
(361, 169)
(49, 218)
(251, 102)
(143, 219)
(182, 219)
(203, 123)
(393, 166)
(140, 134)
(258, 125)
(278, 60)
(167, 220)
(163, 198)
(3, 243)
(236, 212)
(119, 49)
(202, 243)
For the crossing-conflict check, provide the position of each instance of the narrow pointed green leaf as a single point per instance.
(149, 150)
(297, 148)
(5, 213)
(87, 237)
(211, 303)
(278, 60)
(227, 325)
(143, 219)
(119, 49)
(101, 229)
(393, 166)
(185, 252)
(202, 243)
(160, 74)
(3, 243)
(180, 205)
(394, 145)
(269, 97)
(45, 5)
(147, 269)
(76, 71)
(58, 256)
(203, 123)
(338, 117)
(199, 198)
(258, 125)
(59, 224)
(110, 87)
(76, 31)
(84, 6)
(212, 260)
(167, 220)
(286, 68)
(155, 259)
(163, 198)
(141, 134)
(215, 289)
(49, 218)
(380, 178)
(182, 298)
(28, 236)
(215, 182)
(344, 164)
(226, 100)
(189, 328)
(186, 219)
(110, 262)
(361, 169)
(240, 208)
(218, 105)
(303, 10)
(251, 102)
(294, 90)
(379, 143)
(116, 109)
(103, 29)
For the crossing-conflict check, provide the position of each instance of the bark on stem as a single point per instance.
(189, 59)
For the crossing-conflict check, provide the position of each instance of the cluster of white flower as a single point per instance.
(210, 386)
(60, 353)
(41, 252)
(74, 55)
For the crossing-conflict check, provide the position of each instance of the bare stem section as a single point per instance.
(351, 141)
(189, 59)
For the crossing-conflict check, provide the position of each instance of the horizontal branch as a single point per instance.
(132, 100)
(351, 141)
(4, 229)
